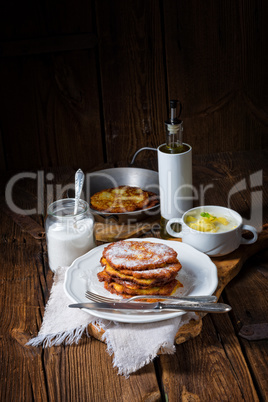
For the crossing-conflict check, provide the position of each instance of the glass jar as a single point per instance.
(68, 236)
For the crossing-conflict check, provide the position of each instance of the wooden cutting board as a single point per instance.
(109, 232)
(228, 267)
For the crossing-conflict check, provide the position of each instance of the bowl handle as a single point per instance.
(169, 229)
(253, 231)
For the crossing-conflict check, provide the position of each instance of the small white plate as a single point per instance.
(198, 276)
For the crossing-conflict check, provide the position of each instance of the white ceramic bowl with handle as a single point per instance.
(214, 244)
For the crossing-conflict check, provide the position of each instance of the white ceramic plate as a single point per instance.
(198, 276)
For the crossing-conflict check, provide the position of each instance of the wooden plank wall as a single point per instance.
(89, 82)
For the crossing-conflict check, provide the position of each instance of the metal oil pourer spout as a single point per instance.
(174, 129)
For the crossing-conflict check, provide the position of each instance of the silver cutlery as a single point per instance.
(79, 181)
(98, 298)
(180, 306)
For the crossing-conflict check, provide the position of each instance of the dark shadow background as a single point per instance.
(88, 82)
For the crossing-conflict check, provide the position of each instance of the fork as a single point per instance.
(98, 299)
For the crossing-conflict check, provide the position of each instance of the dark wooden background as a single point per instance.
(87, 82)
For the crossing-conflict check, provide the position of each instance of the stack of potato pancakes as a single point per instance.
(134, 268)
(123, 199)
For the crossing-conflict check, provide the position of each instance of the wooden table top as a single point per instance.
(218, 365)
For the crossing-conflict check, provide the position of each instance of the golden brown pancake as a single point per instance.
(139, 268)
(106, 276)
(122, 199)
(138, 255)
(118, 277)
(142, 279)
(129, 291)
(164, 272)
(153, 200)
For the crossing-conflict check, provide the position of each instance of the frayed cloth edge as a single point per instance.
(69, 337)
(165, 348)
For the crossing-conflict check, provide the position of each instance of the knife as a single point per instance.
(158, 306)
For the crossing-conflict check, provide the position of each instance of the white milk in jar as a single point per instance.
(68, 236)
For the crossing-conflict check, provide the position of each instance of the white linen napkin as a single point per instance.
(132, 345)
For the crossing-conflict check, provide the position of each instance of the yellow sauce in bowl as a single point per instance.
(206, 222)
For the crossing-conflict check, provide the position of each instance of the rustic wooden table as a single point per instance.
(220, 364)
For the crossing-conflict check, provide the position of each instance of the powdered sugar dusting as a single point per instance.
(158, 272)
(138, 255)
